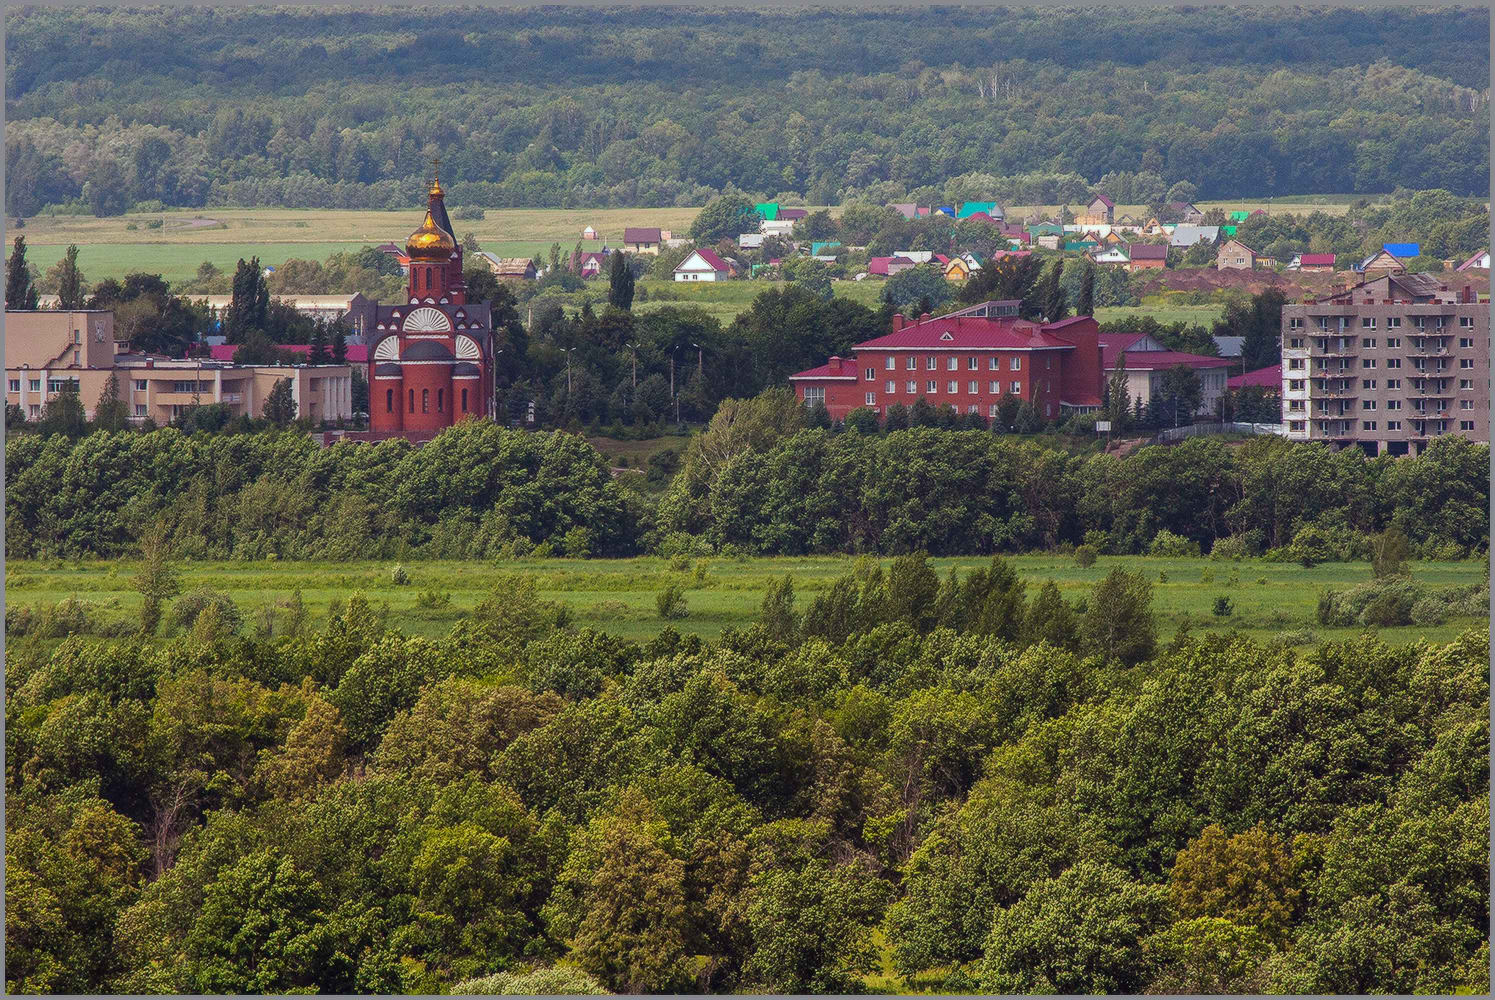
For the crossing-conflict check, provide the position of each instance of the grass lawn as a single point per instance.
(1203, 316)
(618, 595)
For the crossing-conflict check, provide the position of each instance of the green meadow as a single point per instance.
(618, 595)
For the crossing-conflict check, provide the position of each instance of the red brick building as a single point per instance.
(431, 358)
(969, 360)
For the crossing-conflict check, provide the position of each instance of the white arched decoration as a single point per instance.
(467, 350)
(425, 320)
(387, 349)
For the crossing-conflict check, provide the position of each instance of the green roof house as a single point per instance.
(989, 208)
(820, 245)
(1228, 230)
(1239, 216)
(769, 210)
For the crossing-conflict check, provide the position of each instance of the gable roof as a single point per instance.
(1187, 236)
(1402, 250)
(1267, 378)
(841, 368)
(641, 234)
(1103, 200)
(1162, 360)
(969, 333)
(792, 214)
(1147, 251)
(708, 257)
(990, 209)
(769, 210)
(1481, 259)
(1315, 260)
(1238, 243)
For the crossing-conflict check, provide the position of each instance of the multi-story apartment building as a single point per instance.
(1387, 365)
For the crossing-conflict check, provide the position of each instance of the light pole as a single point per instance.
(568, 351)
(699, 363)
(493, 387)
(674, 352)
(634, 349)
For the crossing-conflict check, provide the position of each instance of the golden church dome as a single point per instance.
(430, 242)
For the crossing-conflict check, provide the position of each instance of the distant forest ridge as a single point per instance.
(584, 107)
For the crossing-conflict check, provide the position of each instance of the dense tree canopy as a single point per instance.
(307, 108)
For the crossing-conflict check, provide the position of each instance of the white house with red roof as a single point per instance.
(703, 265)
(970, 360)
(1310, 263)
(1481, 259)
(1146, 359)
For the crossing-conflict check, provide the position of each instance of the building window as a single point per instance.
(952, 387)
(1369, 342)
(890, 386)
(140, 385)
(464, 400)
(1295, 405)
(1367, 383)
(913, 363)
(1393, 322)
(1295, 323)
(1466, 321)
(1466, 404)
(1367, 323)
(1295, 364)
(1367, 362)
(871, 398)
(1393, 425)
(440, 400)
(974, 387)
(1367, 404)
(1465, 425)
(973, 363)
(389, 400)
(1393, 362)
(1016, 364)
(814, 394)
(15, 385)
(62, 385)
(996, 387)
(994, 363)
(1393, 404)
(1466, 384)
(139, 409)
(993, 410)
(1017, 388)
(1296, 343)
(931, 386)
(952, 364)
(1464, 363)
(425, 400)
(1295, 385)
(36, 411)
(932, 363)
(1466, 342)
(890, 362)
(412, 400)
(913, 386)
(871, 374)
(1367, 425)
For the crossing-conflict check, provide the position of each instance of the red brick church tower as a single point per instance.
(430, 359)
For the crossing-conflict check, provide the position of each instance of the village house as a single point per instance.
(1381, 262)
(1479, 260)
(1185, 211)
(1185, 236)
(589, 233)
(971, 360)
(1312, 263)
(1235, 256)
(910, 211)
(703, 265)
(975, 209)
(1146, 256)
(1110, 255)
(510, 270)
(588, 263)
(750, 241)
(642, 239)
(1100, 212)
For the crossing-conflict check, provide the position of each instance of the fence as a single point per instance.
(1224, 427)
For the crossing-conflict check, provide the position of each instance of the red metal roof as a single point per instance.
(1267, 378)
(641, 234)
(1316, 260)
(968, 333)
(842, 368)
(712, 261)
(1156, 360)
(1147, 251)
(1112, 344)
(1104, 201)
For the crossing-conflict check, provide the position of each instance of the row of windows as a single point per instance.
(425, 400)
(952, 386)
(952, 363)
(35, 385)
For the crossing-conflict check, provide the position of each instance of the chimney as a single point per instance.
(897, 322)
(923, 317)
(835, 364)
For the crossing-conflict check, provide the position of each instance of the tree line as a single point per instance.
(309, 110)
(1015, 792)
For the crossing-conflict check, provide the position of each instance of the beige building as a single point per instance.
(48, 352)
(1235, 256)
(1388, 365)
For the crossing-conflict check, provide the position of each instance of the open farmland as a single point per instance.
(617, 595)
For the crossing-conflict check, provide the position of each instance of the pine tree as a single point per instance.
(70, 288)
(1086, 304)
(778, 616)
(250, 307)
(1052, 296)
(620, 282)
(111, 413)
(317, 348)
(339, 346)
(20, 290)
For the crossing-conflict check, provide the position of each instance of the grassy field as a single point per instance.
(618, 595)
(110, 248)
(1202, 315)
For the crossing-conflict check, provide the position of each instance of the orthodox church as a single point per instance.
(430, 358)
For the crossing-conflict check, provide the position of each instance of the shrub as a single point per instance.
(1166, 543)
(1383, 603)
(1085, 556)
(1235, 546)
(556, 981)
(671, 602)
(433, 600)
(399, 577)
(1222, 607)
(185, 611)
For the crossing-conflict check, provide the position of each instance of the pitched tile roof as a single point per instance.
(842, 368)
(1158, 360)
(968, 333)
(641, 234)
(1267, 378)
(1315, 260)
(712, 261)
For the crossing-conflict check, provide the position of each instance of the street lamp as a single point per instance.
(699, 363)
(568, 351)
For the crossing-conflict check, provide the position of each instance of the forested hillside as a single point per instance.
(583, 107)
